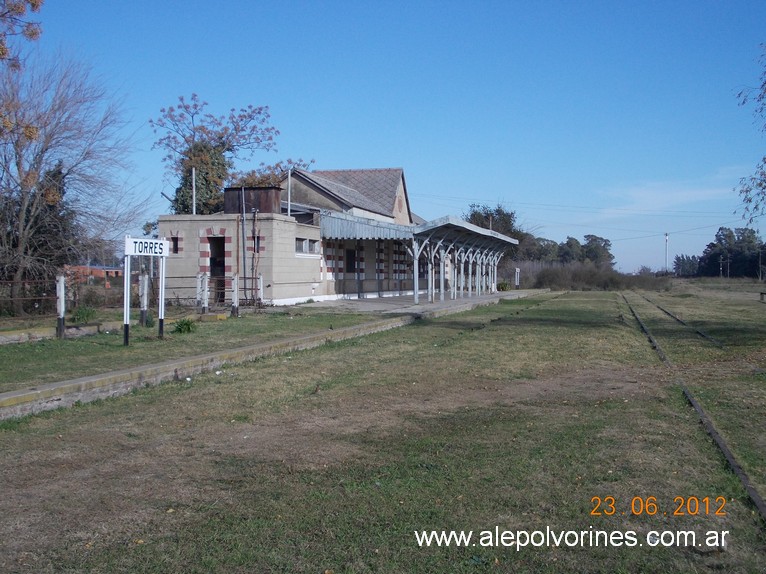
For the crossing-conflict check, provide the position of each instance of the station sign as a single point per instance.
(150, 248)
(147, 247)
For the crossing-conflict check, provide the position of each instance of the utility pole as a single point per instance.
(666, 254)
(194, 191)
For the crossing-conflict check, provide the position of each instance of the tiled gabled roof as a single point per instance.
(344, 193)
(370, 189)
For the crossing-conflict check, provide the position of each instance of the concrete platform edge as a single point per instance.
(85, 389)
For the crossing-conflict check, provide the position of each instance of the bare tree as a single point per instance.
(14, 23)
(752, 189)
(59, 157)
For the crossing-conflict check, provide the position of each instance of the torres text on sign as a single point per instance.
(149, 247)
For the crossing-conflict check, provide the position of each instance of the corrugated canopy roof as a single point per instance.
(450, 230)
(336, 225)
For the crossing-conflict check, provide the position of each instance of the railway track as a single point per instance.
(706, 421)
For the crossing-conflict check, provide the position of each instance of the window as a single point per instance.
(174, 245)
(307, 246)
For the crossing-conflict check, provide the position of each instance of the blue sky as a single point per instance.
(618, 119)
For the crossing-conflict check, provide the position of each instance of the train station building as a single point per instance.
(323, 235)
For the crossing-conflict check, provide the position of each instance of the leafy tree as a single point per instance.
(752, 189)
(548, 250)
(686, 265)
(711, 260)
(597, 250)
(212, 170)
(56, 172)
(570, 250)
(734, 253)
(495, 218)
(529, 247)
(193, 138)
(744, 256)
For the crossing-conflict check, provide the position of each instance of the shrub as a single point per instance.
(91, 297)
(185, 325)
(83, 314)
(555, 278)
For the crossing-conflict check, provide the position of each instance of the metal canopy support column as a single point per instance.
(378, 271)
(495, 261)
(453, 276)
(442, 271)
(478, 275)
(415, 270)
(483, 275)
(471, 256)
(430, 258)
(415, 251)
(487, 281)
(492, 274)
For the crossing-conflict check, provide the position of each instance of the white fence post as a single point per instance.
(161, 306)
(235, 296)
(60, 305)
(205, 292)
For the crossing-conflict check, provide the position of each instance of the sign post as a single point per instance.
(151, 248)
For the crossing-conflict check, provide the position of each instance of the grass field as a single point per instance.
(545, 413)
(24, 365)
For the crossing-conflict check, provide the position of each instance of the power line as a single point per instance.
(584, 208)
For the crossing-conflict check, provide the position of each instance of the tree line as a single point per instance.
(733, 253)
(593, 250)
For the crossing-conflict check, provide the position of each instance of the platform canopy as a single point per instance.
(459, 232)
(338, 225)
(469, 246)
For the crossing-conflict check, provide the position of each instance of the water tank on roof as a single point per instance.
(262, 199)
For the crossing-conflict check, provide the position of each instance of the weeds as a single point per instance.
(83, 314)
(184, 325)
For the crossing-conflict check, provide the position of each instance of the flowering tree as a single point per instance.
(194, 138)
